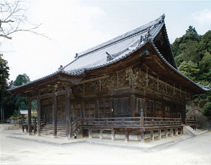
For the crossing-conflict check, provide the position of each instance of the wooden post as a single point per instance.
(171, 132)
(29, 116)
(70, 129)
(132, 105)
(67, 114)
(101, 134)
(90, 133)
(181, 130)
(38, 116)
(142, 118)
(159, 134)
(96, 109)
(54, 116)
(152, 134)
(126, 135)
(142, 136)
(35, 126)
(112, 107)
(166, 133)
(154, 106)
(113, 134)
(176, 131)
(1, 115)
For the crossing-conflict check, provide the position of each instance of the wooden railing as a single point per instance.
(118, 121)
(190, 121)
(125, 122)
(157, 121)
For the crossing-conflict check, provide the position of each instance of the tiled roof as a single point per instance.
(115, 49)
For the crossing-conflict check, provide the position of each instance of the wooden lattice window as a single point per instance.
(168, 111)
(150, 105)
(158, 109)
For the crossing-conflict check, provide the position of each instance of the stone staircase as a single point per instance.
(190, 131)
(48, 130)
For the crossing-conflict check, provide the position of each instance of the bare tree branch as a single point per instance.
(12, 19)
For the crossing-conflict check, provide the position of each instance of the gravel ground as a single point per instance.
(193, 151)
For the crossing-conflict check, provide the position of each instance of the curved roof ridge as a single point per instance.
(124, 36)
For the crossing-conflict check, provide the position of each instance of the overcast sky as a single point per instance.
(74, 26)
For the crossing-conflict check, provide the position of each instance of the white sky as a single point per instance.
(74, 26)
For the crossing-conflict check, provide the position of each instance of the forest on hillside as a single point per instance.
(192, 53)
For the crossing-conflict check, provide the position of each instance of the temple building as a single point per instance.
(128, 84)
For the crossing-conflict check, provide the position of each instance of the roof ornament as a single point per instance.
(146, 37)
(162, 18)
(109, 57)
(198, 83)
(60, 68)
(207, 87)
(76, 55)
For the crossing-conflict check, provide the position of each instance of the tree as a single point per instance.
(4, 77)
(189, 69)
(21, 102)
(21, 79)
(193, 57)
(13, 19)
(191, 30)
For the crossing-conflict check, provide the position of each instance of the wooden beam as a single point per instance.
(94, 79)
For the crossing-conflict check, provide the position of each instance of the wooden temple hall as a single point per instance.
(128, 87)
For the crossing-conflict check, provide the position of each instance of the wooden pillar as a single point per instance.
(83, 108)
(103, 108)
(154, 106)
(176, 131)
(142, 118)
(29, 116)
(90, 133)
(38, 116)
(67, 114)
(96, 109)
(132, 105)
(171, 132)
(181, 130)
(101, 134)
(54, 116)
(126, 135)
(1, 115)
(142, 136)
(112, 107)
(113, 134)
(159, 134)
(152, 134)
(166, 133)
